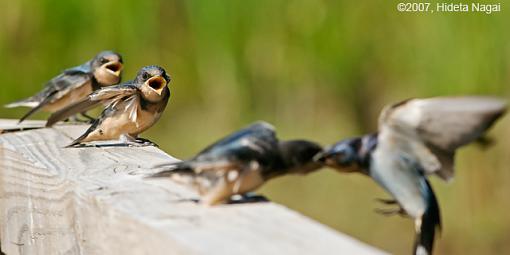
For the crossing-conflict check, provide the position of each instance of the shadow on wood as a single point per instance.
(56, 200)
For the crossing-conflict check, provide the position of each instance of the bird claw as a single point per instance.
(389, 212)
(88, 119)
(136, 142)
(247, 198)
(386, 201)
(145, 142)
(75, 120)
(140, 144)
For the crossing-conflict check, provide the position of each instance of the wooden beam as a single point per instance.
(7, 126)
(56, 200)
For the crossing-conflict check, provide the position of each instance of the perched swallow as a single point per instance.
(75, 84)
(132, 107)
(242, 162)
(416, 138)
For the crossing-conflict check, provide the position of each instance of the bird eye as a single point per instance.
(146, 76)
(103, 60)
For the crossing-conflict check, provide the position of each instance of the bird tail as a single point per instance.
(28, 102)
(77, 141)
(181, 168)
(426, 226)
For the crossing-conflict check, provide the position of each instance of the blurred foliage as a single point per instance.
(315, 69)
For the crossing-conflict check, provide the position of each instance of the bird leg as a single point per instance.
(75, 119)
(89, 119)
(146, 142)
(386, 201)
(390, 212)
(249, 197)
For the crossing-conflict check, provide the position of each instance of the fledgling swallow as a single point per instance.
(132, 107)
(74, 84)
(242, 162)
(416, 138)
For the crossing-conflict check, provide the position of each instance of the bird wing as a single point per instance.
(401, 175)
(252, 142)
(62, 84)
(432, 129)
(123, 102)
(232, 152)
(85, 68)
(105, 95)
(54, 89)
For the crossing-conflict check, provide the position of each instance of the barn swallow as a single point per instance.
(416, 138)
(132, 108)
(74, 84)
(242, 162)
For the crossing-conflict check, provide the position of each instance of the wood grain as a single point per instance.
(56, 200)
(7, 126)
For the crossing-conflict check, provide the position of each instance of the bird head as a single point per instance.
(298, 155)
(342, 156)
(107, 68)
(153, 82)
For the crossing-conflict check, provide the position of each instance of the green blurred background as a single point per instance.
(315, 69)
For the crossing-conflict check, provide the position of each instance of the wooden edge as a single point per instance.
(56, 200)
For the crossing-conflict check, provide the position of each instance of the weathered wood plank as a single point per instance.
(56, 200)
(13, 125)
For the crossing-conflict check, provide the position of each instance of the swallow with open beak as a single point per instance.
(416, 138)
(132, 107)
(75, 84)
(242, 162)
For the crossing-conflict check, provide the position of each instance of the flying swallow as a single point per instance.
(416, 138)
(74, 84)
(132, 107)
(242, 162)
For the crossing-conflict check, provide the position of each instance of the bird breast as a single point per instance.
(398, 175)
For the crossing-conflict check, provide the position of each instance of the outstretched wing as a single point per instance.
(123, 103)
(432, 129)
(103, 95)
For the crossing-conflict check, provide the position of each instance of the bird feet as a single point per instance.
(391, 211)
(75, 119)
(136, 142)
(247, 198)
(88, 119)
(386, 201)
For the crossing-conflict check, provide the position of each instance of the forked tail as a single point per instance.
(28, 102)
(427, 225)
(175, 168)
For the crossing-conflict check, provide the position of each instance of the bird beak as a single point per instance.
(327, 158)
(156, 83)
(113, 67)
(321, 157)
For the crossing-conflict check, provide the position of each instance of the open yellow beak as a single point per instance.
(113, 67)
(156, 83)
